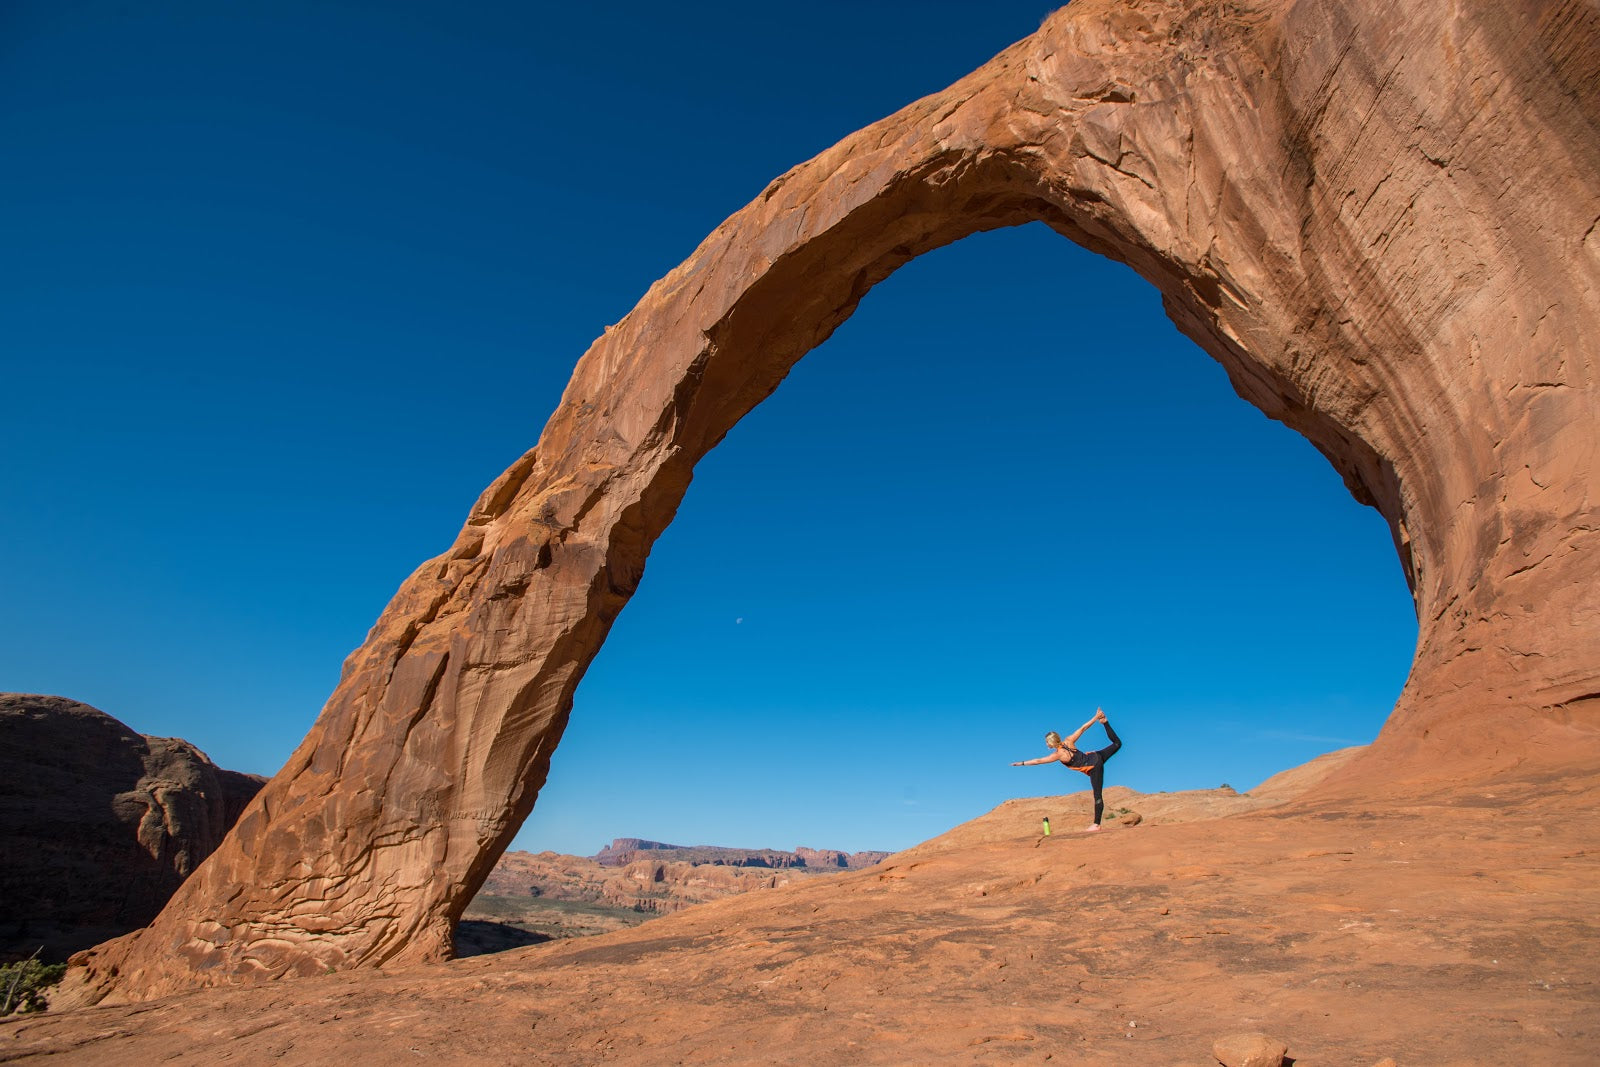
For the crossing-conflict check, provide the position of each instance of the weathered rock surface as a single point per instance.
(1382, 220)
(1351, 932)
(98, 824)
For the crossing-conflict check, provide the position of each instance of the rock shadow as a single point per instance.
(477, 937)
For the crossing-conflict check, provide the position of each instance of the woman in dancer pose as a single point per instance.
(1091, 763)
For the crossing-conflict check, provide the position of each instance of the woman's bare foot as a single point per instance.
(1099, 715)
(1092, 829)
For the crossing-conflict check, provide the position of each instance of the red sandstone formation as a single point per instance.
(1382, 220)
(98, 824)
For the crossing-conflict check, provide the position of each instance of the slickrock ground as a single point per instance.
(1435, 930)
(534, 897)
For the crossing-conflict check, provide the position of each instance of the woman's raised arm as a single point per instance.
(1080, 731)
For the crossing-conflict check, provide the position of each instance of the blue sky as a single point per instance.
(288, 284)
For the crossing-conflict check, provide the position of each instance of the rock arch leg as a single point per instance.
(1410, 281)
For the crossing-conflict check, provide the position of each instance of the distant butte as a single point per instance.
(625, 850)
(542, 895)
(1381, 219)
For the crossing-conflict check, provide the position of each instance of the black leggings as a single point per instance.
(1097, 774)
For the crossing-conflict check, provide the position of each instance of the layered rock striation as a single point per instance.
(1383, 221)
(98, 824)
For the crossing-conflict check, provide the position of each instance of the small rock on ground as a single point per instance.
(1249, 1050)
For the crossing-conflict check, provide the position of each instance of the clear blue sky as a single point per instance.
(286, 284)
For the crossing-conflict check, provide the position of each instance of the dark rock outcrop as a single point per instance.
(98, 823)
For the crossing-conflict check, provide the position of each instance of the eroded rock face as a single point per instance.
(1382, 221)
(99, 824)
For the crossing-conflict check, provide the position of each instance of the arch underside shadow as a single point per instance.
(1288, 202)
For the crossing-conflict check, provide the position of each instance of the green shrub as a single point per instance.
(23, 985)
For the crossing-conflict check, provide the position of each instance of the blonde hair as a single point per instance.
(1052, 739)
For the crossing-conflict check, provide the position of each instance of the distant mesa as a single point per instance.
(827, 857)
(99, 824)
(530, 897)
(625, 850)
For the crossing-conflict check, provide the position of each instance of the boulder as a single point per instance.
(1250, 1050)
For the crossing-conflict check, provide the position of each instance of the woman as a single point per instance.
(1091, 763)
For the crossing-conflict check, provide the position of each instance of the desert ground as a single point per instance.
(1451, 928)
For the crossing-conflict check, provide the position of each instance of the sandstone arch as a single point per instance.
(1343, 206)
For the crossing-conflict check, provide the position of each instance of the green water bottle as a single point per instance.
(1047, 826)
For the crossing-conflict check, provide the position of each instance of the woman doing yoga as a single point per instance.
(1091, 763)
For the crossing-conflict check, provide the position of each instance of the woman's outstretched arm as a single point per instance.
(1036, 762)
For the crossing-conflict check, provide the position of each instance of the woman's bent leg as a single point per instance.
(1111, 749)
